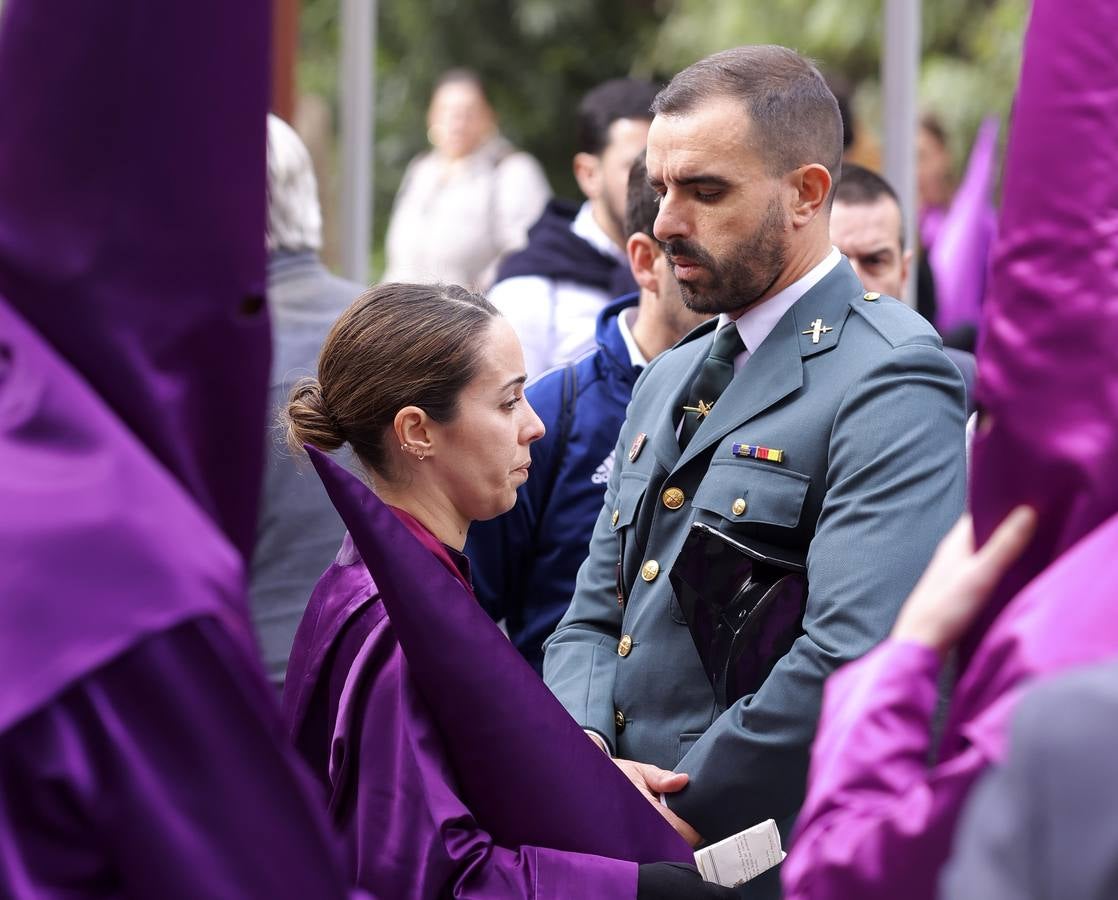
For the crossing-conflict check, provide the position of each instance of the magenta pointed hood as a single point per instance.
(1048, 358)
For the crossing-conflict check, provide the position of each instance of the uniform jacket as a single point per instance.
(525, 561)
(871, 421)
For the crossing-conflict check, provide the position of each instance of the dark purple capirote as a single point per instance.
(132, 187)
(527, 772)
(141, 751)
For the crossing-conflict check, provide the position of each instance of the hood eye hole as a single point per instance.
(252, 305)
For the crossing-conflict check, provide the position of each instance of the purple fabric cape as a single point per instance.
(527, 771)
(960, 255)
(1047, 367)
(131, 172)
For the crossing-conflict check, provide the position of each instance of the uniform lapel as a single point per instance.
(663, 441)
(776, 369)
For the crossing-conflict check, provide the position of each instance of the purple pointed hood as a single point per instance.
(1047, 359)
(527, 771)
(960, 256)
(132, 383)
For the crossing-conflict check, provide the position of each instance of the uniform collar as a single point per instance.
(757, 322)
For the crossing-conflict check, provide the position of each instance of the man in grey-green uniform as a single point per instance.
(810, 415)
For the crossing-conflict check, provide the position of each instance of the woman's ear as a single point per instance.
(812, 185)
(412, 429)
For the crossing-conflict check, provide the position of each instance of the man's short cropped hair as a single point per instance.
(795, 118)
(641, 202)
(619, 98)
(860, 186)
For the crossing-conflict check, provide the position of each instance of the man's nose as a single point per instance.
(670, 222)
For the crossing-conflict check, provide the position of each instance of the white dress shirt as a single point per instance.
(757, 322)
(555, 320)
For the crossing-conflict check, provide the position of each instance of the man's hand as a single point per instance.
(652, 782)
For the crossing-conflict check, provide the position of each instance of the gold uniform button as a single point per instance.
(650, 570)
(673, 498)
(739, 507)
(624, 645)
(616, 515)
(871, 295)
(619, 719)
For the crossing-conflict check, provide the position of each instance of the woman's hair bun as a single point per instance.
(308, 420)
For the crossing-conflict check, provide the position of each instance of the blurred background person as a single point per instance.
(957, 226)
(298, 531)
(868, 228)
(553, 290)
(468, 201)
(525, 562)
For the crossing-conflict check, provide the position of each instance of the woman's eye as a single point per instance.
(512, 403)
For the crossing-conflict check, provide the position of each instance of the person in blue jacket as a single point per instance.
(525, 562)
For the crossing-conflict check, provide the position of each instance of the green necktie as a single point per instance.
(713, 378)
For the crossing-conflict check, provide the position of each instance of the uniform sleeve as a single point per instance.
(895, 485)
(163, 774)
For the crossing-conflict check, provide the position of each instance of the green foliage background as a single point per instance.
(539, 56)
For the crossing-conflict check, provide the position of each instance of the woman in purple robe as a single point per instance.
(426, 385)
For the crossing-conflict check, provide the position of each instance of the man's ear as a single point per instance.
(811, 184)
(588, 174)
(643, 252)
(906, 264)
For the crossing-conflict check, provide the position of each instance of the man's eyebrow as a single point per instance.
(712, 180)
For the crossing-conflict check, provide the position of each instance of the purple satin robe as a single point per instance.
(526, 770)
(356, 715)
(878, 821)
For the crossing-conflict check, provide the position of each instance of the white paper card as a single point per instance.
(742, 856)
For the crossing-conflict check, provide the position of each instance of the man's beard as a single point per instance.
(738, 283)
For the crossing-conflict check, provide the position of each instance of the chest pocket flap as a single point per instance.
(743, 490)
(629, 494)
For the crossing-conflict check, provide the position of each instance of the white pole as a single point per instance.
(900, 74)
(358, 31)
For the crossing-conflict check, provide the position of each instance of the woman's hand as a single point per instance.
(958, 581)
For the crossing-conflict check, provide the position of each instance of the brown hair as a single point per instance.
(397, 345)
(795, 117)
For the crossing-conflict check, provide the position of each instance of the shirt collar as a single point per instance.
(635, 356)
(585, 227)
(756, 323)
